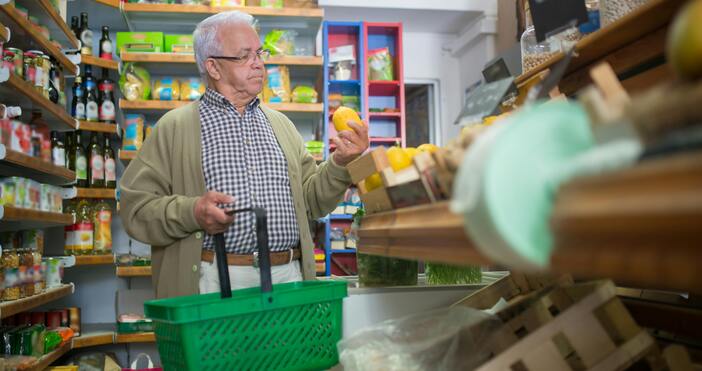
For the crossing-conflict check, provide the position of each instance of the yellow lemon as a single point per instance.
(411, 152)
(373, 182)
(342, 116)
(428, 147)
(398, 158)
(684, 45)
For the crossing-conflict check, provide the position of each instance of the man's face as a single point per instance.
(245, 76)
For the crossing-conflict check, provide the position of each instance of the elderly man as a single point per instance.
(230, 151)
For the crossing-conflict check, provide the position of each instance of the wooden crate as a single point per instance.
(580, 327)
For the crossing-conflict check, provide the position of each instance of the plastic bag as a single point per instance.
(133, 132)
(380, 66)
(304, 94)
(457, 338)
(280, 42)
(276, 88)
(191, 89)
(135, 82)
(166, 89)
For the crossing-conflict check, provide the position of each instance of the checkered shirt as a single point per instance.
(241, 157)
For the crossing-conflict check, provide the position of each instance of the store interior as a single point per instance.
(530, 198)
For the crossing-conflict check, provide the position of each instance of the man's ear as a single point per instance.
(212, 69)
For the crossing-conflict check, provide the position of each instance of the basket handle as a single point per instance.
(264, 256)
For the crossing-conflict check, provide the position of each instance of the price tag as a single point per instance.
(484, 101)
(496, 71)
(553, 16)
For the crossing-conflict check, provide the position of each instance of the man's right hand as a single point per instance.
(211, 217)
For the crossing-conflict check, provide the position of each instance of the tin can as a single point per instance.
(16, 60)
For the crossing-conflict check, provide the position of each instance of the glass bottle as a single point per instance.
(102, 219)
(78, 102)
(106, 98)
(91, 101)
(75, 27)
(81, 162)
(86, 36)
(58, 150)
(84, 228)
(96, 171)
(106, 44)
(110, 165)
(69, 237)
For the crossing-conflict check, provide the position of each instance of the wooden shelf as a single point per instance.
(60, 23)
(99, 62)
(190, 58)
(46, 360)
(134, 271)
(151, 105)
(112, 3)
(639, 227)
(127, 156)
(204, 9)
(25, 28)
(142, 337)
(14, 163)
(297, 107)
(10, 308)
(627, 43)
(294, 60)
(93, 339)
(16, 91)
(21, 219)
(95, 259)
(4, 34)
(99, 127)
(105, 193)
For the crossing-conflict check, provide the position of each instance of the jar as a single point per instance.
(46, 74)
(27, 262)
(29, 67)
(10, 264)
(39, 70)
(15, 57)
(533, 52)
(611, 10)
(38, 276)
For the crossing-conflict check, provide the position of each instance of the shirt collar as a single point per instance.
(215, 99)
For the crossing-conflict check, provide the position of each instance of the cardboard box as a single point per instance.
(179, 43)
(140, 42)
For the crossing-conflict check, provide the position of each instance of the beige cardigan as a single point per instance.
(160, 186)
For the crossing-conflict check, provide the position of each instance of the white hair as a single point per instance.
(205, 40)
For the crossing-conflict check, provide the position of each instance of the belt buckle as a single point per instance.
(255, 259)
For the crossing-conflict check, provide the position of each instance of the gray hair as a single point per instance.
(205, 40)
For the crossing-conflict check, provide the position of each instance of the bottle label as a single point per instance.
(84, 234)
(81, 168)
(106, 86)
(110, 170)
(103, 231)
(91, 111)
(38, 77)
(106, 49)
(80, 111)
(96, 165)
(107, 111)
(90, 84)
(59, 156)
(86, 38)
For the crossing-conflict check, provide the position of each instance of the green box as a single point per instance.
(179, 43)
(140, 42)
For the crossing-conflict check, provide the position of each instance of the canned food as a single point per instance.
(15, 57)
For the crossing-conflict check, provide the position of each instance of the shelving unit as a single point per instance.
(603, 226)
(633, 45)
(10, 308)
(104, 193)
(13, 163)
(16, 91)
(190, 59)
(95, 259)
(92, 339)
(159, 105)
(99, 62)
(141, 337)
(61, 27)
(21, 219)
(45, 361)
(133, 271)
(99, 127)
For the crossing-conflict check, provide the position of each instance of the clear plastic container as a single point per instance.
(611, 10)
(535, 53)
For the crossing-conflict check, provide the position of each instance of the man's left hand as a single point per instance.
(350, 144)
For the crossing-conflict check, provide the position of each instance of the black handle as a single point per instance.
(264, 256)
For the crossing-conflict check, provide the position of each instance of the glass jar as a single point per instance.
(10, 264)
(535, 53)
(27, 262)
(39, 70)
(46, 75)
(38, 276)
(29, 67)
(15, 57)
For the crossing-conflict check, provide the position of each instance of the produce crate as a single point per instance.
(414, 185)
(561, 327)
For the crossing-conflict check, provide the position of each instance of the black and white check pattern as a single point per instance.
(241, 157)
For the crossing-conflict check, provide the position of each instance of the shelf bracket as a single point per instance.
(69, 193)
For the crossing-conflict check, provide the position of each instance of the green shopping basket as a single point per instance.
(291, 326)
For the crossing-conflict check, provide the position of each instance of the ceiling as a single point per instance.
(413, 20)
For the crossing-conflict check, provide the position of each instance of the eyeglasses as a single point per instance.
(262, 54)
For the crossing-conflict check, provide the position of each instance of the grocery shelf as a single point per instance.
(131, 271)
(92, 339)
(99, 127)
(4, 33)
(190, 58)
(21, 219)
(151, 105)
(140, 337)
(639, 227)
(295, 60)
(60, 24)
(297, 107)
(105, 193)
(204, 9)
(46, 360)
(344, 82)
(340, 217)
(15, 91)
(13, 163)
(385, 114)
(127, 156)
(10, 308)
(99, 62)
(95, 259)
(25, 33)
(112, 3)
(634, 39)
